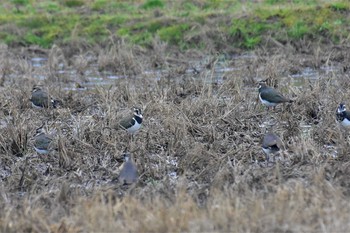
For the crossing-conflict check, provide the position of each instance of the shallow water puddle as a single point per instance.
(38, 61)
(216, 74)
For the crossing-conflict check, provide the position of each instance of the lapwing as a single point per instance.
(132, 123)
(343, 116)
(42, 142)
(270, 96)
(40, 99)
(271, 144)
(128, 174)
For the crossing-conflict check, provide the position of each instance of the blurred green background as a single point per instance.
(185, 24)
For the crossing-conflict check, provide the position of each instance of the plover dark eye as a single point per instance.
(137, 111)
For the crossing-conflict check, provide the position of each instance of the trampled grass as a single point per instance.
(204, 130)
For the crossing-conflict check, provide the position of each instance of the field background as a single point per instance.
(193, 68)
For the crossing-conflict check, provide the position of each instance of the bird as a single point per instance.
(42, 142)
(40, 99)
(270, 96)
(128, 173)
(132, 123)
(343, 116)
(271, 144)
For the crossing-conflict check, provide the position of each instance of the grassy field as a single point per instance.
(199, 155)
(203, 24)
(209, 133)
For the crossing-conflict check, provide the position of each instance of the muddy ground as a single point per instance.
(199, 148)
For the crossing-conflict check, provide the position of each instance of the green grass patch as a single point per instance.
(173, 34)
(73, 3)
(298, 30)
(51, 7)
(31, 38)
(35, 21)
(8, 38)
(247, 32)
(155, 26)
(111, 7)
(150, 4)
(189, 7)
(95, 28)
(123, 32)
(144, 38)
(99, 5)
(340, 6)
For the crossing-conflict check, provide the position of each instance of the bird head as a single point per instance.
(36, 88)
(40, 130)
(341, 108)
(137, 112)
(262, 83)
(126, 157)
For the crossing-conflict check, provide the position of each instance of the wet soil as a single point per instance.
(202, 128)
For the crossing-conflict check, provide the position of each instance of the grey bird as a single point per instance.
(42, 143)
(270, 96)
(132, 123)
(40, 99)
(271, 144)
(343, 116)
(128, 174)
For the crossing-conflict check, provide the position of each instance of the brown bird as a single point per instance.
(128, 174)
(271, 144)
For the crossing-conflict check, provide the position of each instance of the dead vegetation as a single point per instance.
(204, 129)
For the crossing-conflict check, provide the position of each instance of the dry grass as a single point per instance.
(207, 132)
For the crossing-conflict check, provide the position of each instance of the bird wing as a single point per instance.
(342, 115)
(40, 98)
(42, 141)
(271, 140)
(126, 122)
(347, 115)
(273, 95)
(269, 143)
